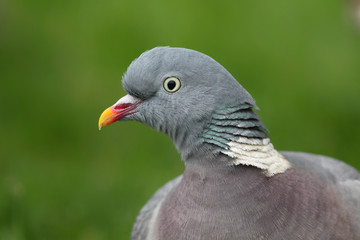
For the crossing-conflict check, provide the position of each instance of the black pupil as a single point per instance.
(171, 84)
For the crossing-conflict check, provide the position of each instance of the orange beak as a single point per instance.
(124, 107)
(107, 117)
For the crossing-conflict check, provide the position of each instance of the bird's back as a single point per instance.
(344, 178)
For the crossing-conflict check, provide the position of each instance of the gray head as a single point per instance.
(176, 91)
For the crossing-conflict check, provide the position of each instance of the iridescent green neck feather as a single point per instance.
(238, 133)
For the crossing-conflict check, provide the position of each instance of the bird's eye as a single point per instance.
(172, 84)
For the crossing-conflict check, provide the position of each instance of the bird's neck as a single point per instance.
(237, 133)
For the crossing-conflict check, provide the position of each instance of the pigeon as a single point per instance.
(354, 7)
(235, 185)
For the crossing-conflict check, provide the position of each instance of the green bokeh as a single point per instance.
(61, 64)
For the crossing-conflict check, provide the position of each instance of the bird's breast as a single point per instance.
(245, 204)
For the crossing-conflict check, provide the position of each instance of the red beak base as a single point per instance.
(119, 110)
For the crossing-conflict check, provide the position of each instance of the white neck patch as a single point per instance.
(257, 152)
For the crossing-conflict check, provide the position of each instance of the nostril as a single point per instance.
(122, 106)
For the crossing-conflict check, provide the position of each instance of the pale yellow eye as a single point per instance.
(172, 84)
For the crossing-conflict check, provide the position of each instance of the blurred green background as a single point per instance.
(61, 64)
